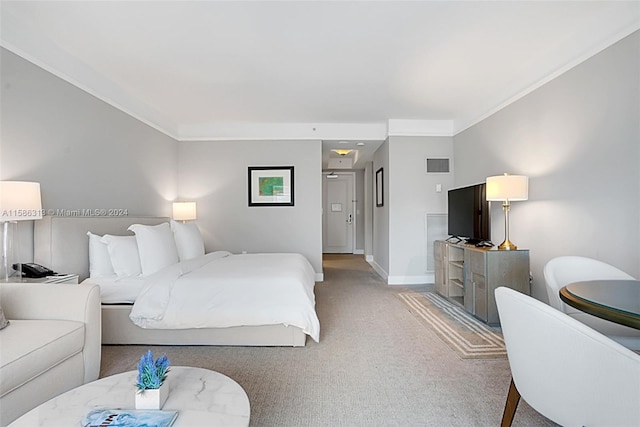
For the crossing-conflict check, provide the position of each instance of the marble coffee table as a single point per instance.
(201, 397)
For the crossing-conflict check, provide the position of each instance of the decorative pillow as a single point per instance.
(3, 322)
(123, 252)
(156, 246)
(99, 259)
(188, 240)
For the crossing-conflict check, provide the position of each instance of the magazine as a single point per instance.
(129, 418)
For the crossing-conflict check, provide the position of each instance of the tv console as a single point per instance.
(468, 275)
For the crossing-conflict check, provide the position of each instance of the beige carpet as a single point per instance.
(466, 336)
(375, 365)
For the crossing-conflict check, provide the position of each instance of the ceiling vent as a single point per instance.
(437, 165)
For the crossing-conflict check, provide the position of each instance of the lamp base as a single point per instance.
(9, 252)
(507, 246)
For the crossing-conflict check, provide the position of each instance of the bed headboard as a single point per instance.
(61, 243)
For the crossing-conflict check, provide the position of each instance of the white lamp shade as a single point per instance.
(507, 187)
(184, 211)
(20, 201)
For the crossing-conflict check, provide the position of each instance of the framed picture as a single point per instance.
(270, 186)
(379, 188)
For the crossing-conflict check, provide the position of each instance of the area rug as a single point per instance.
(464, 334)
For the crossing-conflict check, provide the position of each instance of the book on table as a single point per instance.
(129, 418)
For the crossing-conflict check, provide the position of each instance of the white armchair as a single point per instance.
(565, 370)
(563, 270)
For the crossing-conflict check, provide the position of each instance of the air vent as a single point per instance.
(437, 165)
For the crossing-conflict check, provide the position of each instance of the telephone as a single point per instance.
(34, 270)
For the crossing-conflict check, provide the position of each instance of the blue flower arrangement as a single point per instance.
(151, 374)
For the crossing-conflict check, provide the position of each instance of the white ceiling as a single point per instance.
(329, 70)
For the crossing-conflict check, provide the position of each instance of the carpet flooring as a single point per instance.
(467, 336)
(375, 365)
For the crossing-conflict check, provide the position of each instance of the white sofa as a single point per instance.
(52, 344)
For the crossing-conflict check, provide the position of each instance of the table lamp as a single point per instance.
(506, 189)
(184, 211)
(19, 201)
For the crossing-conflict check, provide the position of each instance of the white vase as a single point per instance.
(152, 398)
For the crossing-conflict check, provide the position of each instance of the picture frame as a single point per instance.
(379, 188)
(271, 186)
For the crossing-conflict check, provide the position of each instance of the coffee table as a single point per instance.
(201, 397)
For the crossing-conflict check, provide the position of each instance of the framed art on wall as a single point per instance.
(271, 186)
(379, 188)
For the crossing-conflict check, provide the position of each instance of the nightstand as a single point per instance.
(68, 279)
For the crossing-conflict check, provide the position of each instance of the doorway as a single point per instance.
(338, 212)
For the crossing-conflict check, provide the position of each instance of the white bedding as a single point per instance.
(118, 290)
(223, 290)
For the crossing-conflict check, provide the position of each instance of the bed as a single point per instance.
(61, 243)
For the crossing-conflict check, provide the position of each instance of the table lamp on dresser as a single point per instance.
(506, 189)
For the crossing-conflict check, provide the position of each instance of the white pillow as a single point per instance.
(156, 246)
(99, 259)
(188, 240)
(123, 252)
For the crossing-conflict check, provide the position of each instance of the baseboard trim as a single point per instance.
(368, 258)
(378, 269)
(411, 280)
(358, 252)
(319, 277)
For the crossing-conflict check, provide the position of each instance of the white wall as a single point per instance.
(214, 174)
(85, 153)
(578, 139)
(411, 195)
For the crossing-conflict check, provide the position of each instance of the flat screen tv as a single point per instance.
(468, 214)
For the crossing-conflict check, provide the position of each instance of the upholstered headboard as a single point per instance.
(61, 243)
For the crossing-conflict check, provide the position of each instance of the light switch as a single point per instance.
(438, 188)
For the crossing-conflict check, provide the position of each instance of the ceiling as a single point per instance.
(352, 71)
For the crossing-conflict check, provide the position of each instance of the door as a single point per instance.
(338, 219)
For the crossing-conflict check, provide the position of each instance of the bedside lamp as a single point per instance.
(19, 201)
(506, 189)
(184, 211)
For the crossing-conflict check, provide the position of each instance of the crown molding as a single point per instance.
(401, 127)
(284, 131)
(23, 39)
(464, 124)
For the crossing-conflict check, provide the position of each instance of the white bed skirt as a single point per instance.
(117, 328)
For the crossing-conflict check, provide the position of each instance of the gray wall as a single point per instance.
(360, 212)
(85, 153)
(380, 254)
(88, 155)
(578, 139)
(214, 174)
(367, 178)
(412, 194)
